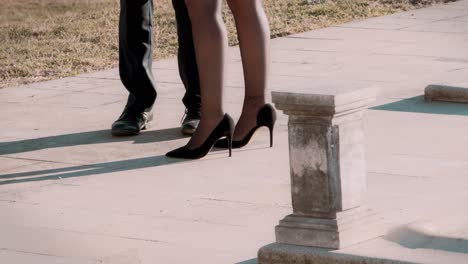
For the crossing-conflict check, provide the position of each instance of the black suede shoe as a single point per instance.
(131, 122)
(190, 122)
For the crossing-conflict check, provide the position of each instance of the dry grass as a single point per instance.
(49, 39)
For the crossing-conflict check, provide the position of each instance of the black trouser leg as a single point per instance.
(135, 52)
(188, 68)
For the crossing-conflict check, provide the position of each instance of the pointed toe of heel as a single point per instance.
(223, 131)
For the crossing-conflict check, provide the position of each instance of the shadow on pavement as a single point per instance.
(250, 261)
(418, 105)
(86, 138)
(87, 170)
(415, 239)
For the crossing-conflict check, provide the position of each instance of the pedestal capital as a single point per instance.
(323, 102)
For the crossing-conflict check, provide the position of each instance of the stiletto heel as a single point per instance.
(225, 129)
(230, 145)
(271, 135)
(266, 117)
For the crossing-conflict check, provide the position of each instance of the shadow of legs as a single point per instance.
(86, 138)
(88, 170)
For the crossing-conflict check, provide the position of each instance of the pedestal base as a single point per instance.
(281, 254)
(349, 227)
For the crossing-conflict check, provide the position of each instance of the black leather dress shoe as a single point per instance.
(131, 122)
(190, 122)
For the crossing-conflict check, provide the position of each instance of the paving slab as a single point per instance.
(70, 193)
(23, 257)
(445, 26)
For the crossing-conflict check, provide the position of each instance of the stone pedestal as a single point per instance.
(328, 168)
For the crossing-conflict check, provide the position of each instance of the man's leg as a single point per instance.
(188, 69)
(135, 60)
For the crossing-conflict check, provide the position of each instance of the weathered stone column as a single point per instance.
(328, 169)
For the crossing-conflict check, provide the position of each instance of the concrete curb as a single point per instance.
(435, 92)
(277, 253)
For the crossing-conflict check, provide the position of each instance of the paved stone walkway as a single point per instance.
(70, 193)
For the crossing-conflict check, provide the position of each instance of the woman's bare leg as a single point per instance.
(254, 38)
(210, 39)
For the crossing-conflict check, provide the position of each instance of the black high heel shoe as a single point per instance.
(225, 129)
(266, 117)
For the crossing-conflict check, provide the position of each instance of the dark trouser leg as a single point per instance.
(135, 50)
(188, 68)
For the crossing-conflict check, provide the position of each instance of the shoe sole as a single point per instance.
(129, 133)
(187, 131)
(126, 133)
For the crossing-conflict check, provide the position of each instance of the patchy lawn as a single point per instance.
(49, 39)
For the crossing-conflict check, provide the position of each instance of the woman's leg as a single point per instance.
(254, 39)
(210, 39)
